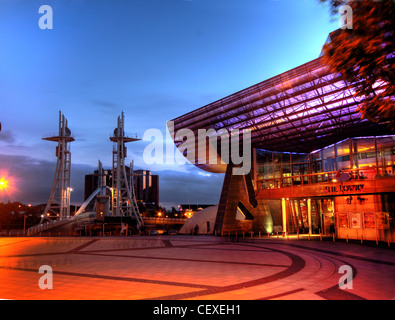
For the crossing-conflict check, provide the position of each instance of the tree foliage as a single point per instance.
(365, 55)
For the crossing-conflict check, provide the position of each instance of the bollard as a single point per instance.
(259, 234)
(333, 235)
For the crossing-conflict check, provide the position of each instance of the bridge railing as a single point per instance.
(164, 220)
(47, 225)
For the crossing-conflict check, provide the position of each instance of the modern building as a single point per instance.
(146, 185)
(316, 165)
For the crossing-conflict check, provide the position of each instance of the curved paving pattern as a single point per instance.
(203, 268)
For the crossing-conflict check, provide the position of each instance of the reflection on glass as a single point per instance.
(369, 158)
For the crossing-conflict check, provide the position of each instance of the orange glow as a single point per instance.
(7, 185)
(3, 184)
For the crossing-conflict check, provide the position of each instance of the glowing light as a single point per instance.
(3, 184)
(8, 185)
(269, 228)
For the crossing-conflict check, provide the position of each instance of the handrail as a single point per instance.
(165, 219)
(331, 175)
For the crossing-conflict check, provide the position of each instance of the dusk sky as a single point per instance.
(153, 59)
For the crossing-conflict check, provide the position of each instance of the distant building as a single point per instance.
(91, 182)
(146, 185)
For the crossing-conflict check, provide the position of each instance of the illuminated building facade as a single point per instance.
(316, 165)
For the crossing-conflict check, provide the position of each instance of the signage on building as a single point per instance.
(356, 220)
(344, 188)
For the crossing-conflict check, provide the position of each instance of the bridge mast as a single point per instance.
(123, 200)
(58, 205)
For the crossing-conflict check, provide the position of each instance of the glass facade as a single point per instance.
(355, 158)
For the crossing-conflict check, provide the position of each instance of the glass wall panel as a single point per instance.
(328, 152)
(343, 147)
(366, 153)
(386, 155)
(277, 165)
(354, 153)
(329, 165)
(385, 142)
(386, 161)
(300, 158)
(286, 169)
(315, 156)
(362, 161)
(343, 162)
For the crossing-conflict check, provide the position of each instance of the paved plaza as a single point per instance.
(193, 267)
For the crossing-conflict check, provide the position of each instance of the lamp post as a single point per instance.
(3, 188)
(3, 184)
(24, 223)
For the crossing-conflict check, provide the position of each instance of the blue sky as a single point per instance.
(153, 59)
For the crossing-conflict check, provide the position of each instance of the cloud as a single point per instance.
(178, 187)
(105, 105)
(31, 181)
(7, 136)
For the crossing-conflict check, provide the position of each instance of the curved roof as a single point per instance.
(200, 219)
(301, 110)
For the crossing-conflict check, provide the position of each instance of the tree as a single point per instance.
(365, 55)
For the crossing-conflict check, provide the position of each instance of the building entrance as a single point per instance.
(308, 216)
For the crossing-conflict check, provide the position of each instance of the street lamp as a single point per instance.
(3, 184)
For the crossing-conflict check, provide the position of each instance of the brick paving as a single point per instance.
(187, 267)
